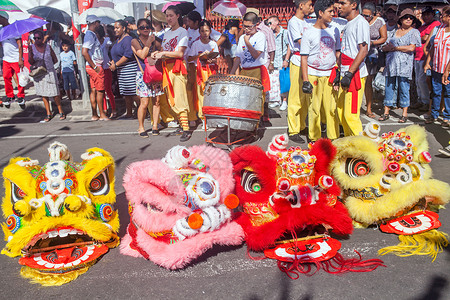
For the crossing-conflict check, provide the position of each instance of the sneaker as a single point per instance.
(274, 104)
(296, 138)
(21, 102)
(425, 116)
(283, 106)
(179, 131)
(445, 151)
(172, 124)
(8, 101)
(445, 124)
(186, 136)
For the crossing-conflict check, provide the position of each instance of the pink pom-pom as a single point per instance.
(325, 182)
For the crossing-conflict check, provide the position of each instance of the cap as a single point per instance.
(159, 16)
(92, 19)
(130, 20)
(392, 7)
(253, 10)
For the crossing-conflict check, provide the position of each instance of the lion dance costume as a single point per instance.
(60, 216)
(289, 203)
(387, 182)
(180, 206)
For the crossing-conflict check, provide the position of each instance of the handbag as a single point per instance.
(153, 68)
(285, 79)
(38, 69)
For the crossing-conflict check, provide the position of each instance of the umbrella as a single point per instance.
(105, 14)
(231, 9)
(51, 14)
(6, 5)
(400, 2)
(185, 7)
(156, 2)
(20, 27)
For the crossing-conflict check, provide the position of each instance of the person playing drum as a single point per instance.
(174, 45)
(251, 52)
(203, 53)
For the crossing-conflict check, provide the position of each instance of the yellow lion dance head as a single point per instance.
(59, 217)
(386, 180)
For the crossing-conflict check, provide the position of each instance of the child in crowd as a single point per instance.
(201, 53)
(68, 63)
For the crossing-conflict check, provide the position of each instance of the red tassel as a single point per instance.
(255, 257)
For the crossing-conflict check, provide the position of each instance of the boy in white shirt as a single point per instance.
(354, 49)
(320, 49)
(297, 102)
(251, 52)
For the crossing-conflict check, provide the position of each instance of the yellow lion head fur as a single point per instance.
(387, 176)
(59, 217)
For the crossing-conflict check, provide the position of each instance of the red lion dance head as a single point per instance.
(290, 203)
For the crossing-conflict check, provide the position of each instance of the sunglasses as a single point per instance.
(366, 16)
(408, 17)
(249, 27)
(143, 27)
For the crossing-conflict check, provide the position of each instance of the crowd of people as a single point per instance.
(333, 53)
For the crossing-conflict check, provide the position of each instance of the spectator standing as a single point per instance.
(391, 18)
(173, 47)
(131, 26)
(281, 47)
(378, 36)
(68, 63)
(399, 63)
(12, 63)
(158, 21)
(46, 86)
(423, 93)
(123, 61)
(354, 49)
(105, 45)
(297, 100)
(320, 50)
(440, 54)
(143, 47)
(228, 41)
(93, 55)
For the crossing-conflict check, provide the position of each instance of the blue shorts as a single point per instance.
(69, 78)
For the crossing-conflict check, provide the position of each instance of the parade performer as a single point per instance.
(386, 181)
(251, 52)
(289, 203)
(174, 45)
(59, 217)
(354, 49)
(297, 101)
(202, 53)
(320, 48)
(180, 206)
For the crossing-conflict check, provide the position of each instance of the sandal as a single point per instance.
(383, 117)
(403, 119)
(48, 118)
(113, 116)
(62, 116)
(371, 115)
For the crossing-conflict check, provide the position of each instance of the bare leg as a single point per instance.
(92, 98)
(129, 105)
(100, 95)
(68, 94)
(405, 111)
(142, 112)
(368, 91)
(58, 104)
(47, 105)
(156, 110)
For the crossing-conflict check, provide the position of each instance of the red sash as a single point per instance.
(265, 79)
(355, 84)
(211, 70)
(178, 67)
(333, 74)
(132, 230)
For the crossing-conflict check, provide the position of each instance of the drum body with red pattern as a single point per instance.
(239, 98)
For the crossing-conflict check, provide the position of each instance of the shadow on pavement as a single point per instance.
(9, 131)
(436, 289)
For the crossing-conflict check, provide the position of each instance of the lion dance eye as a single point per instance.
(16, 193)
(250, 182)
(355, 167)
(100, 184)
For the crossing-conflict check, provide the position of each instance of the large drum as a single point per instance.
(237, 99)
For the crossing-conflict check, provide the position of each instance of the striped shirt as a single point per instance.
(441, 50)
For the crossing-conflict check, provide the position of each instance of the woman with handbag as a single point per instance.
(148, 76)
(123, 62)
(42, 59)
(173, 47)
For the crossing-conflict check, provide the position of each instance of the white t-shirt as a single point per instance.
(92, 43)
(174, 39)
(296, 28)
(335, 22)
(215, 35)
(356, 32)
(258, 41)
(321, 45)
(11, 50)
(199, 47)
(193, 35)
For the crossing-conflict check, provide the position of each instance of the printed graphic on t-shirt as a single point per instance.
(171, 44)
(248, 58)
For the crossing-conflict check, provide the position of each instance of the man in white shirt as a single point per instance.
(297, 102)
(12, 63)
(251, 52)
(354, 49)
(320, 49)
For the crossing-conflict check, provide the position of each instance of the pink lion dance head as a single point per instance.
(180, 206)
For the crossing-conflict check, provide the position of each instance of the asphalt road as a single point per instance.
(221, 273)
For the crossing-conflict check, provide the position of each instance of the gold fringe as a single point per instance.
(427, 243)
(48, 279)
